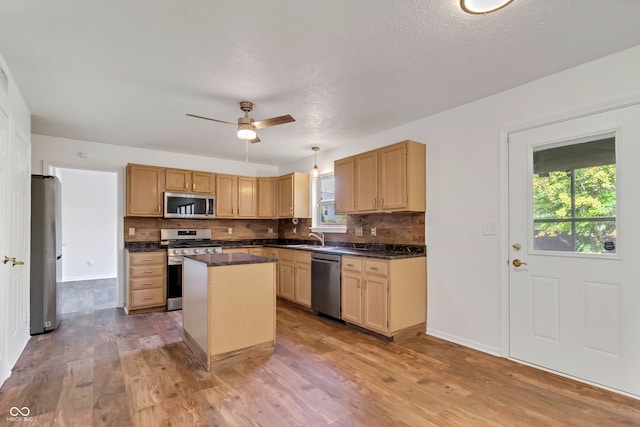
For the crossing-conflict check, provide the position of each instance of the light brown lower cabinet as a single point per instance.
(294, 276)
(385, 296)
(146, 281)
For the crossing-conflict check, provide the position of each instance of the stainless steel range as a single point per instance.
(181, 242)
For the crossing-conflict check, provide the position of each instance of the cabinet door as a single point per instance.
(285, 196)
(302, 284)
(144, 190)
(267, 197)
(374, 303)
(366, 171)
(343, 171)
(287, 279)
(177, 180)
(226, 195)
(203, 182)
(352, 297)
(247, 197)
(393, 176)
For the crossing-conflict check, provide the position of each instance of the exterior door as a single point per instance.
(15, 205)
(574, 228)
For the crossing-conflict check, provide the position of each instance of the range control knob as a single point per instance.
(183, 252)
(195, 251)
(207, 250)
(176, 252)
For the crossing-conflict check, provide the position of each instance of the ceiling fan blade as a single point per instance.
(254, 140)
(213, 120)
(273, 121)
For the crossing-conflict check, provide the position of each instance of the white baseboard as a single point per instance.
(494, 351)
(83, 278)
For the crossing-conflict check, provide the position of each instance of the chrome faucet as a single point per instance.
(319, 236)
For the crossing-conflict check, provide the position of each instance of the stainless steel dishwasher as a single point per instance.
(326, 290)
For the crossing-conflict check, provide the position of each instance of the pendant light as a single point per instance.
(315, 171)
(480, 7)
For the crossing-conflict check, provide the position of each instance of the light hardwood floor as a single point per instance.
(105, 368)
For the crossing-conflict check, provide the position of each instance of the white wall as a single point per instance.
(465, 157)
(89, 224)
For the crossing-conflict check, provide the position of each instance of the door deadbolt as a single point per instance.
(516, 246)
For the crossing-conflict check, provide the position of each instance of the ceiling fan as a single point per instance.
(247, 126)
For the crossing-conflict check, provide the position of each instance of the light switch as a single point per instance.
(269, 230)
(358, 230)
(132, 231)
(373, 231)
(489, 228)
(230, 230)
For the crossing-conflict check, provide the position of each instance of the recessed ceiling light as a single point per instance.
(479, 7)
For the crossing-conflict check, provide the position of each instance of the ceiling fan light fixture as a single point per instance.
(315, 171)
(480, 7)
(246, 132)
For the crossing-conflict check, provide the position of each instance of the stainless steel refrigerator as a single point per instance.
(46, 253)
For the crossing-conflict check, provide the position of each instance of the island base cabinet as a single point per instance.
(388, 297)
(229, 311)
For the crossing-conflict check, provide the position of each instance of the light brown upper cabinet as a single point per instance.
(144, 190)
(187, 181)
(344, 174)
(293, 195)
(366, 194)
(267, 192)
(247, 197)
(236, 196)
(389, 179)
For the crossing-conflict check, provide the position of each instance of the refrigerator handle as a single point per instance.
(59, 256)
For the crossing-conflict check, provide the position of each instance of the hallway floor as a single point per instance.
(86, 295)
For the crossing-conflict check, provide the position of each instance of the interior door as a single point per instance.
(574, 219)
(15, 193)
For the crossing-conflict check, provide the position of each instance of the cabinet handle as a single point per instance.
(148, 271)
(365, 284)
(374, 202)
(194, 185)
(186, 185)
(148, 259)
(350, 265)
(147, 284)
(158, 208)
(148, 297)
(382, 201)
(374, 268)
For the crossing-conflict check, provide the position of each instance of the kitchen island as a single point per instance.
(229, 306)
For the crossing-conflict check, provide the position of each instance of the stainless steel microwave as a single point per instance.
(187, 205)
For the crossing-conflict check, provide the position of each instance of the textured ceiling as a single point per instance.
(126, 72)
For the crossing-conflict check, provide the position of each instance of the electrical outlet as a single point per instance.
(373, 231)
(295, 230)
(358, 230)
(132, 231)
(269, 230)
(230, 230)
(489, 228)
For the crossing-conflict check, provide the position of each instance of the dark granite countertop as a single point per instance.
(221, 260)
(143, 246)
(379, 251)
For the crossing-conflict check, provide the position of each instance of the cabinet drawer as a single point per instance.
(145, 258)
(146, 270)
(148, 283)
(287, 254)
(147, 298)
(376, 267)
(303, 256)
(351, 264)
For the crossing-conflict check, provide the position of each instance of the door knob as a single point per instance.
(7, 259)
(517, 263)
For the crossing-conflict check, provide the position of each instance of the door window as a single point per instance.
(574, 197)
